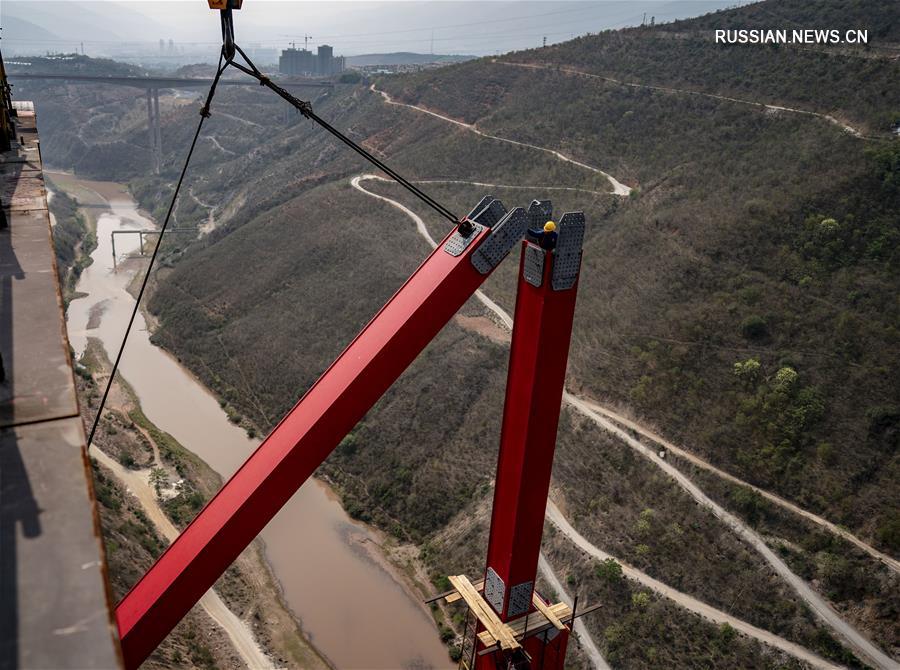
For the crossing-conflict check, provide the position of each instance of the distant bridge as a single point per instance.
(152, 85)
(160, 82)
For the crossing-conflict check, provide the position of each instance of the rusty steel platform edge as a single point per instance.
(25, 154)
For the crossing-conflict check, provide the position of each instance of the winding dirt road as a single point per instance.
(854, 638)
(212, 138)
(689, 603)
(860, 645)
(584, 638)
(889, 561)
(666, 89)
(238, 632)
(618, 187)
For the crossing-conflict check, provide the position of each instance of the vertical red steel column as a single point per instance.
(311, 430)
(545, 307)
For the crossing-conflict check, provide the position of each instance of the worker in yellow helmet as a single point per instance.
(545, 237)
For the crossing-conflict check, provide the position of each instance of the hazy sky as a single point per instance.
(353, 27)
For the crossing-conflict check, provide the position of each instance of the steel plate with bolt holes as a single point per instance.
(476, 210)
(519, 599)
(458, 243)
(494, 590)
(539, 212)
(567, 255)
(533, 270)
(488, 213)
(503, 237)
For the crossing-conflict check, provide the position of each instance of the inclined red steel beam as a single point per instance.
(297, 446)
(534, 387)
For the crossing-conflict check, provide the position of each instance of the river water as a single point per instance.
(353, 610)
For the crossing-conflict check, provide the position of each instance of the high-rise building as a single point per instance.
(324, 58)
(302, 61)
(297, 61)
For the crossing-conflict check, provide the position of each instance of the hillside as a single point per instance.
(742, 302)
(404, 58)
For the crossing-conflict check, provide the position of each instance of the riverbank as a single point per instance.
(325, 563)
(161, 480)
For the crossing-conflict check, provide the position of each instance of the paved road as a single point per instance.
(854, 639)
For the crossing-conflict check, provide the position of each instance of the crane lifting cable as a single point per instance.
(204, 114)
(226, 58)
(230, 49)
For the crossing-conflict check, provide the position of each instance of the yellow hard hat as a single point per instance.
(549, 227)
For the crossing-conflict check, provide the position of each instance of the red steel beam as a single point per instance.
(299, 444)
(537, 369)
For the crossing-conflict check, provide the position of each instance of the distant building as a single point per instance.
(303, 61)
(324, 56)
(296, 61)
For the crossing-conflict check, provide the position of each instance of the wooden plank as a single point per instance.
(544, 609)
(536, 622)
(453, 597)
(480, 608)
(498, 631)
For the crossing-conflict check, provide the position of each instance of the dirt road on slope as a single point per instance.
(584, 638)
(618, 187)
(684, 600)
(889, 561)
(666, 89)
(854, 638)
(860, 645)
(238, 632)
(506, 320)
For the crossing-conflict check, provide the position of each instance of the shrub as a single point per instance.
(609, 570)
(754, 328)
(747, 370)
(726, 634)
(829, 225)
(784, 379)
(640, 599)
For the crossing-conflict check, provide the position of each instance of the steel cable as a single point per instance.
(204, 114)
(305, 108)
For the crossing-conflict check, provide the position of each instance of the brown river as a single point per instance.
(350, 606)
